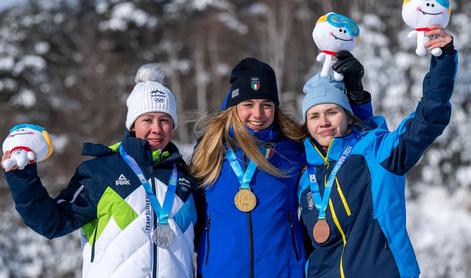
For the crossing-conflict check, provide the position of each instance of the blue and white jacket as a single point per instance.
(105, 198)
(268, 241)
(366, 211)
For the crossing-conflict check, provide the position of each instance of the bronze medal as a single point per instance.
(245, 200)
(321, 231)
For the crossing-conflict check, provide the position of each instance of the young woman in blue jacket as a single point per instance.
(352, 193)
(249, 161)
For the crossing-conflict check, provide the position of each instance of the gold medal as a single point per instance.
(321, 231)
(245, 200)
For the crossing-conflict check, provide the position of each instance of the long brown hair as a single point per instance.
(208, 157)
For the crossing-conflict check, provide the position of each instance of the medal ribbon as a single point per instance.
(244, 177)
(321, 203)
(162, 213)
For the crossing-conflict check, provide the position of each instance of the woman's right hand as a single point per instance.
(440, 38)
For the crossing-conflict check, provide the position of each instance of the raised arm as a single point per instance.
(353, 72)
(402, 148)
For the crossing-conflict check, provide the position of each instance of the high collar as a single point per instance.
(140, 151)
(135, 147)
(269, 134)
(315, 157)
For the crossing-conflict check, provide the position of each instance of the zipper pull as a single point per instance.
(206, 228)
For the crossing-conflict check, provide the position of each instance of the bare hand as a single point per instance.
(439, 37)
(6, 156)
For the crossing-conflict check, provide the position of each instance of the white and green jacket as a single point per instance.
(106, 200)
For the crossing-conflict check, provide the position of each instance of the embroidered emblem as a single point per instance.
(234, 93)
(184, 184)
(122, 180)
(255, 83)
(312, 178)
(158, 96)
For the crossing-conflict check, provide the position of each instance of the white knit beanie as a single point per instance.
(149, 95)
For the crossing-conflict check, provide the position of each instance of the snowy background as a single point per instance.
(69, 65)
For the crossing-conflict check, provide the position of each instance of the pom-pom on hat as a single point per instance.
(149, 95)
(251, 79)
(320, 90)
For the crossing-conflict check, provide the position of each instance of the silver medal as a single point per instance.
(163, 236)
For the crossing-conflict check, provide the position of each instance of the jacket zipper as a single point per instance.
(249, 218)
(337, 224)
(293, 238)
(94, 241)
(207, 240)
(155, 264)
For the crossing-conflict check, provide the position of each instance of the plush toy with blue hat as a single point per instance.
(26, 143)
(332, 33)
(420, 15)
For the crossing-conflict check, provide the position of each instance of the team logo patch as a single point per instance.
(184, 184)
(310, 203)
(158, 96)
(312, 178)
(234, 93)
(122, 180)
(255, 83)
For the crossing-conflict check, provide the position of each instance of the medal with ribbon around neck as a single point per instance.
(321, 230)
(245, 200)
(163, 236)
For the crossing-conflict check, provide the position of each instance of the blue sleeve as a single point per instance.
(363, 111)
(399, 150)
(74, 206)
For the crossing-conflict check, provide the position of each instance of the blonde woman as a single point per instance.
(249, 160)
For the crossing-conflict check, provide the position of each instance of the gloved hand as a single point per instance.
(449, 48)
(353, 73)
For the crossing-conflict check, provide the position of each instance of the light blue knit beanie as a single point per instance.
(320, 90)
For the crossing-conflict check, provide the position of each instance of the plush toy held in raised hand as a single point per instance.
(334, 32)
(420, 15)
(27, 143)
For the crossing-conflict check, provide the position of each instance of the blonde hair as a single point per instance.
(207, 160)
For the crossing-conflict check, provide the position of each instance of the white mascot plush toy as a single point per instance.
(332, 33)
(27, 143)
(420, 15)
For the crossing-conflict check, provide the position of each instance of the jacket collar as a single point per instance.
(269, 134)
(315, 157)
(135, 147)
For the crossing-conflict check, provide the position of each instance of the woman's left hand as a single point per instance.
(439, 37)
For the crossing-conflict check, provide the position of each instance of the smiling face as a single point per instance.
(256, 114)
(30, 138)
(329, 37)
(423, 13)
(326, 121)
(156, 128)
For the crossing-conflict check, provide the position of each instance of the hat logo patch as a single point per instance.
(234, 93)
(158, 96)
(255, 83)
